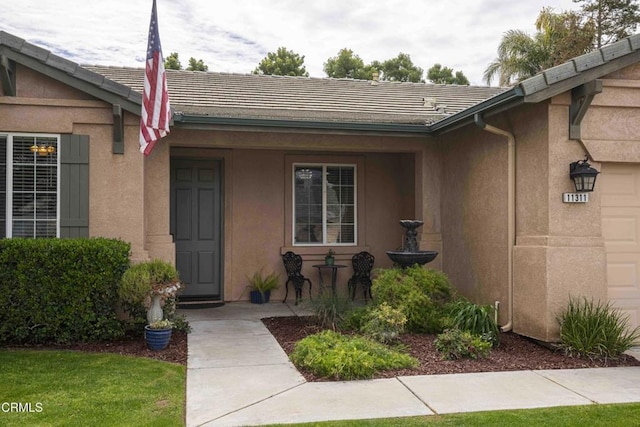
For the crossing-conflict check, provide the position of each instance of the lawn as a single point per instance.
(66, 388)
(567, 416)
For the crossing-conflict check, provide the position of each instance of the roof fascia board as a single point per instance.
(98, 89)
(187, 119)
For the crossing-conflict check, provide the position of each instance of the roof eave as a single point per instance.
(501, 102)
(210, 121)
(534, 93)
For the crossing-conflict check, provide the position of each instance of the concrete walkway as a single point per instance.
(238, 375)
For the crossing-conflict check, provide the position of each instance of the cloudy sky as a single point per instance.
(233, 36)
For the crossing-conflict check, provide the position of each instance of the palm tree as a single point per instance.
(519, 56)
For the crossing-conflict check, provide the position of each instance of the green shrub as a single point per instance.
(477, 319)
(332, 355)
(384, 323)
(456, 344)
(60, 290)
(421, 294)
(330, 309)
(597, 331)
(355, 318)
(139, 280)
(142, 280)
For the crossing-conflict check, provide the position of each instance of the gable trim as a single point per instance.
(79, 78)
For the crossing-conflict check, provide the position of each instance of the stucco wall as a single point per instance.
(474, 214)
(559, 251)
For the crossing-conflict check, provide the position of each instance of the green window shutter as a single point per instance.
(74, 186)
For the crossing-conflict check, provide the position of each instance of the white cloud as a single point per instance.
(233, 36)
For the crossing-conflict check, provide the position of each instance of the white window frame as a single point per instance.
(324, 167)
(9, 179)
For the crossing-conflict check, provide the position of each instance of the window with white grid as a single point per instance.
(29, 185)
(324, 204)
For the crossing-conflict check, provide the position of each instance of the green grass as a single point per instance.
(618, 415)
(84, 389)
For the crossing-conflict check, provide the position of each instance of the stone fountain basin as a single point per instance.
(407, 259)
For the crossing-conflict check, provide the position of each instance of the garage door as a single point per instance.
(620, 190)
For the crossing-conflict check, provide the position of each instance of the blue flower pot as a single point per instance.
(157, 339)
(256, 297)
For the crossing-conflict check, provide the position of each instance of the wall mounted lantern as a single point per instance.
(583, 175)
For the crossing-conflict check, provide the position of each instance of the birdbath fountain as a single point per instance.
(410, 254)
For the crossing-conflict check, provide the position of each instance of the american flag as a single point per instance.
(156, 112)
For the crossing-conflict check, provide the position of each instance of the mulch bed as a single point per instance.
(132, 344)
(514, 353)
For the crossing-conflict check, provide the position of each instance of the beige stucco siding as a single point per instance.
(474, 214)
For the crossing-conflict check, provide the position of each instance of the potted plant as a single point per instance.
(329, 258)
(158, 334)
(150, 284)
(261, 286)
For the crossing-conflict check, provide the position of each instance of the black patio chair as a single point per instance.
(362, 265)
(293, 266)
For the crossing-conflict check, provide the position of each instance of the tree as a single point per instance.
(172, 62)
(559, 37)
(565, 35)
(348, 65)
(197, 65)
(400, 69)
(282, 63)
(613, 19)
(439, 75)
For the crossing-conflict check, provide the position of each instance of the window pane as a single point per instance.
(340, 204)
(308, 204)
(22, 228)
(46, 229)
(35, 179)
(23, 205)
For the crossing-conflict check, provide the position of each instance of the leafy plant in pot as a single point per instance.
(158, 334)
(152, 284)
(261, 286)
(329, 258)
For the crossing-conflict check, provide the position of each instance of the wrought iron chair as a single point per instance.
(293, 266)
(362, 265)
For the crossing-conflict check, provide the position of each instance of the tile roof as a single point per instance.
(199, 97)
(303, 98)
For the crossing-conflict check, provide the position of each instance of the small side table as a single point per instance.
(334, 274)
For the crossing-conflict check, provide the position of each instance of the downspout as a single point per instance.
(511, 207)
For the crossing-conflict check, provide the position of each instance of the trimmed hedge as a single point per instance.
(60, 290)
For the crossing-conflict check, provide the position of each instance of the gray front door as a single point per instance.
(196, 224)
